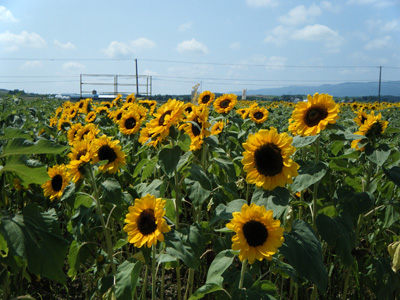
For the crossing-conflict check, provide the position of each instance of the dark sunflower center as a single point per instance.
(314, 115)
(162, 118)
(130, 123)
(85, 133)
(205, 99)
(80, 154)
(268, 159)
(196, 130)
(363, 119)
(258, 115)
(224, 103)
(188, 109)
(147, 222)
(119, 116)
(375, 130)
(56, 183)
(81, 105)
(255, 233)
(107, 153)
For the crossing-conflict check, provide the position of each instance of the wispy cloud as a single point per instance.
(122, 50)
(378, 25)
(13, 42)
(186, 26)
(300, 15)
(6, 15)
(32, 64)
(64, 46)
(378, 43)
(262, 3)
(73, 67)
(192, 47)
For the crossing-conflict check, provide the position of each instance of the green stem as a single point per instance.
(242, 271)
(109, 247)
(346, 284)
(315, 193)
(153, 273)
(189, 286)
(179, 285)
(177, 199)
(162, 281)
(144, 290)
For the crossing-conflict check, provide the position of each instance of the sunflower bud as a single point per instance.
(289, 220)
(394, 252)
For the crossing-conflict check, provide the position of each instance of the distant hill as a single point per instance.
(348, 89)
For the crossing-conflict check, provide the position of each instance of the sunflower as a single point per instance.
(206, 98)
(267, 159)
(90, 117)
(80, 150)
(145, 221)
(150, 104)
(130, 98)
(117, 100)
(217, 128)
(83, 105)
(196, 126)
(57, 183)
(309, 118)
(188, 108)
(104, 148)
(372, 128)
(116, 115)
(145, 137)
(258, 235)
(76, 170)
(72, 132)
(130, 122)
(258, 114)
(243, 112)
(225, 103)
(88, 131)
(72, 112)
(361, 117)
(64, 124)
(102, 110)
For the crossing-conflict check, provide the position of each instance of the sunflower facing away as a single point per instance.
(225, 103)
(372, 128)
(104, 148)
(206, 98)
(309, 118)
(267, 159)
(57, 183)
(258, 235)
(361, 117)
(145, 221)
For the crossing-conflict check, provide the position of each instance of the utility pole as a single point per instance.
(137, 79)
(379, 91)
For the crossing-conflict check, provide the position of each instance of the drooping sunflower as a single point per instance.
(117, 100)
(150, 104)
(72, 112)
(372, 128)
(361, 117)
(217, 128)
(196, 126)
(258, 114)
(87, 131)
(90, 117)
(309, 118)
(225, 103)
(104, 148)
(243, 112)
(206, 98)
(76, 170)
(267, 159)
(58, 181)
(72, 132)
(130, 122)
(258, 235)
(145, 222)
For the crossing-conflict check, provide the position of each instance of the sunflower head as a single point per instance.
(225, 103)
(258, 236)
(196, 126)
(206, 98)
(311, 117)
(145, 223)
(267, 159)
(259, 114)
(58, 181)
(104, 148)
(130, 98)
(130, 123)
(217, 128)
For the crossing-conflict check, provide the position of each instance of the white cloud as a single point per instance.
(300, 14)
(121, 50)
(315, 32)
(378, 43)
(13, 41)
(6, 15)
(262, 3)
(192, 47)
(32, 64)
(73, 67)
(276, 61)
(185, 26)
(65, 46)
(383, 25)
(149, 73)
(235, 45)
(377, 3)
(278, 36)
(325, 5)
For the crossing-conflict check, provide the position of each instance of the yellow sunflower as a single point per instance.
(117, 100)
(258, 114)
(130, 122)
(72, 132)
(80, 150)
(130, 98)
(76, 170)
(104, 148)
(57, 183)
(243, 112)
(258, 234)
(267, 159)
(145, 137)
(116, 115)
(150, 104)
(361, 117)
(72, 112)
(309, 118)
(145, 221)
(64, 124)
(87, 131)
(372, 128)
(188, 108)
(225, 103)
(217, 128)
(196, 126)
(206, 98)
(90, 117)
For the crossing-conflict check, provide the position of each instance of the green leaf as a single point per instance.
(393, 174)
(276, 200)
(197, 194)
(3, 246)
(338, 232)
(205, 289)
(228, 166)
(36, 237)
(149, 168)
(112, 192)
(303, 251)
(309, 173)
(197, 173)
(126, 279)
(169, 159)
(344, 165)
(224, 212)
(20, 146)
(301, 141)
(10, 133)
(378, 155)
(153, 188)
(28, 170)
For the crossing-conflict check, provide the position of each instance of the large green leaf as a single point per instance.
(393, 174)
(377, 155)
(309, 173)
(276, 200)
(300, 141)
(36, 237)
(338, 232)
(224, 212)
(228, 166)
(28, 170)
(126, 279)
(23, 146)
(11, 132)
(303, 251)
(169, 159)
(197, 194)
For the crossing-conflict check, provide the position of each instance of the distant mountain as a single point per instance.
(349, 89)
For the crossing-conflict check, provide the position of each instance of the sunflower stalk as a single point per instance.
(153, 273)
(242, 272)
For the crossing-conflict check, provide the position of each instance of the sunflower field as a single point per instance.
(210, 199)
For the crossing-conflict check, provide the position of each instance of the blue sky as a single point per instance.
(225, 45)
